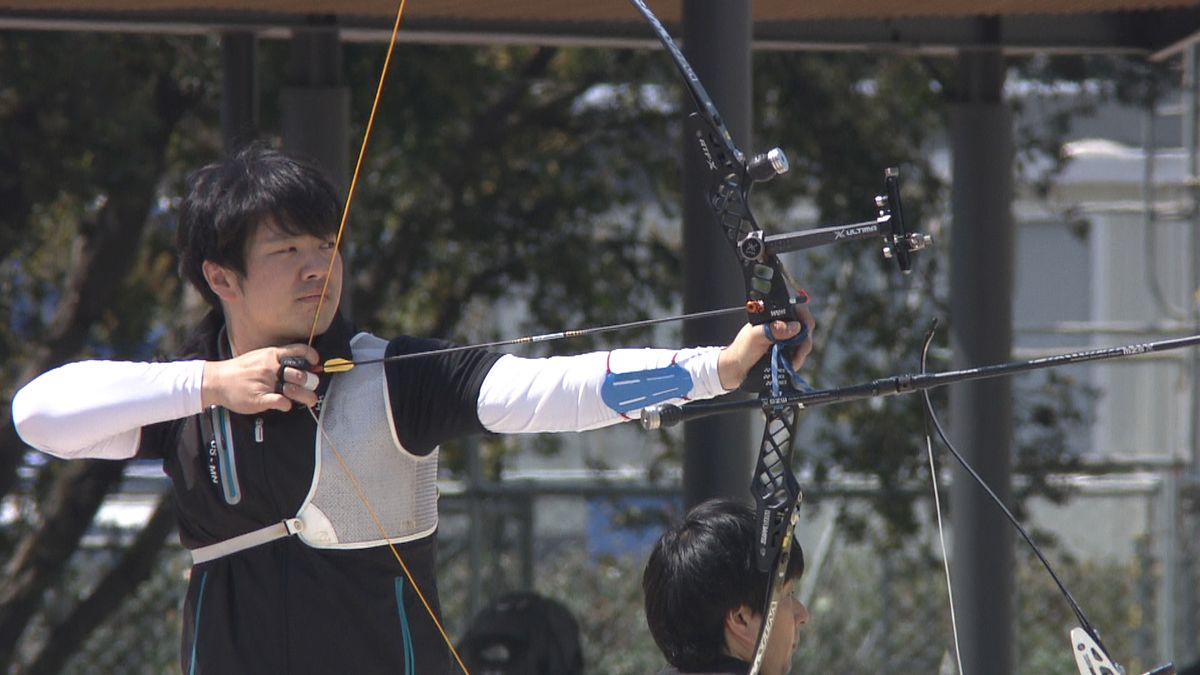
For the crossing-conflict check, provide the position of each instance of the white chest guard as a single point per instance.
(356, 419)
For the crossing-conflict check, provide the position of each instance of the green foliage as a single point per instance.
(524, 182)
(76, 114)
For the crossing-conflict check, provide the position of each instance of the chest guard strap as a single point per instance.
(242, 542)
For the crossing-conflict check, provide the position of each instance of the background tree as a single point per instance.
(81, 173)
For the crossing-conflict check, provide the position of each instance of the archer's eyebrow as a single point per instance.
(272, 235)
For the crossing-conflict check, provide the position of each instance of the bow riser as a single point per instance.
(769, 297)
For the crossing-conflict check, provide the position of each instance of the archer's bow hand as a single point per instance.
(752, 344)
(258, 381)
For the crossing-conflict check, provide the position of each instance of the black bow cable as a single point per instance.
(941, 433)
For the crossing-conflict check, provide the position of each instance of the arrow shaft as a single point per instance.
(342, 366)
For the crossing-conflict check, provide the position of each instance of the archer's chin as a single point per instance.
(328, 313)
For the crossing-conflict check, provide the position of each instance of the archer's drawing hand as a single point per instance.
(751, 344)
(252, 383)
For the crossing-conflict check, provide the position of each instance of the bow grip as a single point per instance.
(758, 380)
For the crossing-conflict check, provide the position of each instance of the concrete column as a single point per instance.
(981, 299)
(719, 451)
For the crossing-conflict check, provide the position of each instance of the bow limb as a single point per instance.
(362, 152)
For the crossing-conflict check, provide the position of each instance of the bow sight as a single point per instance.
(899, 243)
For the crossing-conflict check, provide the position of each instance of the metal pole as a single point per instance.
(716, 38)
(981, 300)
(528, 524)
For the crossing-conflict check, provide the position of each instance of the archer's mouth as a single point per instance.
(313, 298)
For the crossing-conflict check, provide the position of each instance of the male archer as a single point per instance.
(296, 514)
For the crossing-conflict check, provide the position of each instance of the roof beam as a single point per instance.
(1153, 32)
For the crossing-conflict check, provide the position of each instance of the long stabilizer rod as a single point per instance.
(668, 415)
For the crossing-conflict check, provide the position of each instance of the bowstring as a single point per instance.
(362, 152)
(362, 495)
(937, 510)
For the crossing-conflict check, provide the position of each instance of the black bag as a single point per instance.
(523, 633)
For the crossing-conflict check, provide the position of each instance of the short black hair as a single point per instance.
(228, 200)
(698, 572)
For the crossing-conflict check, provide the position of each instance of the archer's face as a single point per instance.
(275, 301)
(786, 632)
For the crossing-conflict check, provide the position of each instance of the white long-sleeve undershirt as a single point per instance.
(96, 409)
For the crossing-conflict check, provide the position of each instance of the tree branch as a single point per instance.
(136, 565)
(42, 555)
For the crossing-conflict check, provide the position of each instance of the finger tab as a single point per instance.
(297, 362)
(286, 362)
(310, 381)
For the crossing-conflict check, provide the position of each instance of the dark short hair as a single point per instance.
(228, 200)
(698, 572)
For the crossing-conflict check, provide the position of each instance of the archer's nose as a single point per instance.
(316, 265)
(800, 612)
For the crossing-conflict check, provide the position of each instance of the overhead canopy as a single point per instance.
(930, 25)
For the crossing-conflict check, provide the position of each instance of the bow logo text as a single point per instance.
(855, 231)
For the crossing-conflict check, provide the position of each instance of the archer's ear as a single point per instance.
(741, 631)
(222, 280)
